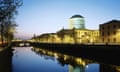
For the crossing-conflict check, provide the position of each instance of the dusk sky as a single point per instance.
(48, 16)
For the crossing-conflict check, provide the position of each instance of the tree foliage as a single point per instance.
(8, 9)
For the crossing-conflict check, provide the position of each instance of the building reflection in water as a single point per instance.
(6, 61)
(76, 64)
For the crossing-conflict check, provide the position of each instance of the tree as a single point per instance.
(9, 30)
(8, 8)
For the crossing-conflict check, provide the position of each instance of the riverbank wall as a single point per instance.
(6, 60)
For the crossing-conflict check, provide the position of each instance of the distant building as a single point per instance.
(77, 33)
(66, 35)
(77, 22)
(110, 32)
(48, 38)
(70, 36)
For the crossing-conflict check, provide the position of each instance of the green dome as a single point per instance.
(77, 16)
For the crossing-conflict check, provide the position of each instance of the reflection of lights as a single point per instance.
(50, 53)
(78, 60)
(83, 63)
(44, 51)
(37, 50)
(56, 55)
(65, 57)
(86, 66)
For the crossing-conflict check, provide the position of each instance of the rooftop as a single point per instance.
(76, 16)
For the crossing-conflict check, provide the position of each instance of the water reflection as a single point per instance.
(76, 64)
(25, 60)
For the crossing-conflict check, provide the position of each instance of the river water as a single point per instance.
(29, 59)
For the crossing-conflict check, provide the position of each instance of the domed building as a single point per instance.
(77, 22)
(76, 33)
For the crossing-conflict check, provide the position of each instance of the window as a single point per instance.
(102, 28)
(114, 40)
(85, 33)
(114, 26)
(108, 27)
(103, 40)
(108, 33)
(114, 32)
(119, 26)
(71, 35)
(102, 33)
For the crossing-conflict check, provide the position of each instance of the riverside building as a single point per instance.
(110, 32)
(76, 33)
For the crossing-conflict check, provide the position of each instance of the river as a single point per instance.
(30, 59)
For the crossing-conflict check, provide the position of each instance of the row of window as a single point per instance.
(110, 27)
(109, 40)
(108, 33)
(88, 33)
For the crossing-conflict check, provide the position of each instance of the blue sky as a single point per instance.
(46, 16)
